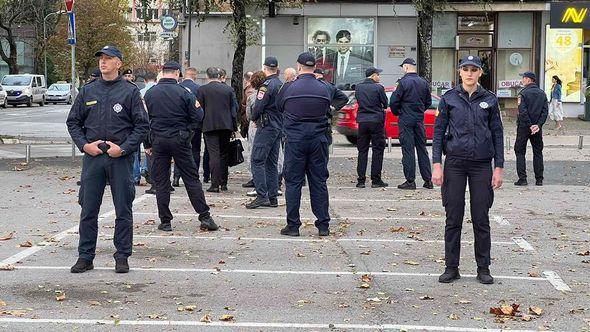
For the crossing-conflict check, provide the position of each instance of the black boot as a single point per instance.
(224, 187)
(324, 232)
(121, 265)
(521, 182)
(483, 275)
(274, 202)
(451, 274)
(407, 185)
(289, 231)
(379, 184)
(165, 226)
(258, 202)
(207, 223)
(151, 191)
(539, 182)
(428, 185)
(213, 189)
(82, 266)
(249, 184)
(360, 184)
(176, 181)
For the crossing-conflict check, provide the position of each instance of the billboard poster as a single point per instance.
(563, 57)
(343, 47)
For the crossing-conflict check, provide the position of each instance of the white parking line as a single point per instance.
(556, 281)
(521, 242)
(58, 237)
(245, 198)
(233, 325)
(279, 217)
(279, 272)
(501, 221)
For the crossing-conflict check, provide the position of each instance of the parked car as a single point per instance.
(3, 97)
(25, 89)
(61, 93)
(348, 126)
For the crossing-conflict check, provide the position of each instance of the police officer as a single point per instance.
(107, 122)
(305, 103)
(409, 101)
(265, 149)
(469, 129)
(339, 99)
(532, 114)
(372, 103)
(174, 115)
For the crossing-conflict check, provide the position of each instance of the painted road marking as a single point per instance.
(556, 281)
(521, 242)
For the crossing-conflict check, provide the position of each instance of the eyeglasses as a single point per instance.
(471, 69)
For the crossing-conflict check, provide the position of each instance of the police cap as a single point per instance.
(470, 60)
(172, 65)
(110, 50)
(306, 59)
(529, 74)
(372, 70)
(127, 72)
(408, 61)
(271, 61)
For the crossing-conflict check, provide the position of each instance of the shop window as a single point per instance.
(511, 63)
(444, 30)
(443, 69)
(475, 41)
(515, 30)
(476, 23)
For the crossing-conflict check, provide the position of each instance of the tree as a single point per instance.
(12, 14)
(98, 23)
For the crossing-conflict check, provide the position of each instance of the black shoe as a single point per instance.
(289, 232)
(379, 184)
(428, 185)
(224, 187)
(451, 274)
(539, 182)
(151, 191)
(360, 184)
(483, 275)
(521, 182)
(249, 184)
(207, 223)
(82, 266)
(146, 175)
(165, 226)
(79, 183)
(121, 265)
(407, 185)
(274, 202)
(258, 202)
(176, 182)
(324, 232)
(213, 189)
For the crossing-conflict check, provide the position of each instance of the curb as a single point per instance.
(10, 141)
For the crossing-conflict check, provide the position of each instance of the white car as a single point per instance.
(60, 93)
(3, 97)
(25, 89)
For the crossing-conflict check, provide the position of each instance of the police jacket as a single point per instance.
(266, 102)
(372, 101)
(305, 104)
(411, 97)
(172, 109)
(190, 85)
(532, 106)
(109, 111)
(469, 128)
(339, 98)
(219, 104)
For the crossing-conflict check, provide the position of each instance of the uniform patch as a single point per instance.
(197, 104)
(518, 100)
(90, 103)
(437, 113)
(484, 105)
(261, 93)
(117, 108)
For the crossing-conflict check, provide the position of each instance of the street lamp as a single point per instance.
(45, 38)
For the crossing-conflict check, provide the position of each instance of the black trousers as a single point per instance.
(164, 149)
(412, 138)
(95, 173)
(217, 144)
(196, 149)
(370, 134)
(523, 135)
(457, 173)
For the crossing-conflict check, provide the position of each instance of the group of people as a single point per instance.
(111, 117)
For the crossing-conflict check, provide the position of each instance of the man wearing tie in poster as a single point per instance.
(325, 57)
(350, 66)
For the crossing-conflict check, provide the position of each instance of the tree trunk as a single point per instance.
(425, 42)
(239, 20)
(10, 58)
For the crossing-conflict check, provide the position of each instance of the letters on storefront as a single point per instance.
(570, 14)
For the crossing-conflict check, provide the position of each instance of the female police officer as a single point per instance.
(469, 129)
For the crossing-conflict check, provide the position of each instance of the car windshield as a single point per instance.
(434, 100)
(16, 80)
(59, 87)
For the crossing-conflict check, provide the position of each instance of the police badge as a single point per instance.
(117, 108)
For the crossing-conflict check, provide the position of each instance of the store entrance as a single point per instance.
(486, 56)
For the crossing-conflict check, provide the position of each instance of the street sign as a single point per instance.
(69, 5)
(71, 28)
(168, 23)
(166, 35)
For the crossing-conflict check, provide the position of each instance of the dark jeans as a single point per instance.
(265, 157)
(412, 137)
(523, 135)
(95, 172)
(457, 173)
(196, 150)
(370, 134)
(164, 149)
(217, 144)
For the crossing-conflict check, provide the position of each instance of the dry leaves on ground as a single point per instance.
(60, 296)
(408, 262)
(400, 229)
(6, 267)
(206, 319)
(26, 244)
(535, 310)
(7, 236)
(226, 318)
(505, 310)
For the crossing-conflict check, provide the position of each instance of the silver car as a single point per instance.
(60, 93)
(3, 97)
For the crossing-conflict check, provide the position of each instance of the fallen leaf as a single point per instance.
(581, 253)
(206, 319)
(464, 301)
(391, 209)
(374, 299)
(157, 316)
(343, 305)
(408, 262)
(300, 254)
(505, 310)
(426, 297)
(526, 318)
(7, 236)
(229, 308)
(366, 253)
(226, 318)
(366, 278)
(535, 310)
(26, 244)
(365, 285)
(139, 244)
(94, 303)
(60, 297)
(453, 317)
(2, 303)
(190, 307)
(400, 229)
(149, 222)
(534, 274)
(16, 313)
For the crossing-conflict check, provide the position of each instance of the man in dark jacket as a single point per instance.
(220, 107)
(532, 114)
(372, 102)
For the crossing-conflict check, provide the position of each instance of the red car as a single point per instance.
(348, 126)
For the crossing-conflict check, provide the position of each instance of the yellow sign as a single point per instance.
(563, 57)
(573, 15)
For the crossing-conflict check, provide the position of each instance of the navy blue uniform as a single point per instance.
(469, 130)
(265, 149)
(532, 110)
(305, 103)
(174, 115)
(372, 102)
(108, 111)
(409, 101)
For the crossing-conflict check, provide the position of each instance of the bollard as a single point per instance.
(388, 144)
(28, 153)
(581, 142)
(73, 152)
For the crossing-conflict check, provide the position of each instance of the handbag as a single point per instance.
(235, 153)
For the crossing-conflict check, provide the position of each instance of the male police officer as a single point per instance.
(107, 122)
(409, 101)
(339, 99)
(305, 103)
(372, 103)
(532, 114)
(468, 127)
(265, 149)
(174, 115)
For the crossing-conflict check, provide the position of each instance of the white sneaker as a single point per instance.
(280, 193)
(251, 193)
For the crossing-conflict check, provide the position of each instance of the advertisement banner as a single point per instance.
(570, 14)
(563, 57)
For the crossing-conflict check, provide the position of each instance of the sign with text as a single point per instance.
(71, 28)
(442, 84)
(509, 84)
(570, 14)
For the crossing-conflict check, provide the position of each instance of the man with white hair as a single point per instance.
(289, 75)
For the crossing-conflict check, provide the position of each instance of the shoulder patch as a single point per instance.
(518, 100)
(90, 103)
(261, 93)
